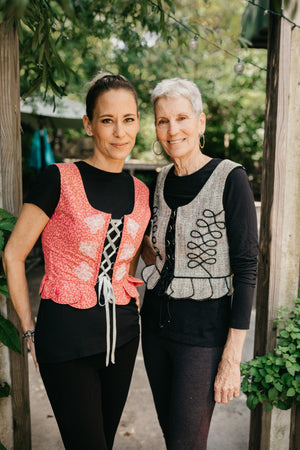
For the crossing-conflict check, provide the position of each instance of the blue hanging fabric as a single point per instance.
(49, 158)
(41, 154)
(35, 159)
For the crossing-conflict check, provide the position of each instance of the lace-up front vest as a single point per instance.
(73, 243)
(201, 266)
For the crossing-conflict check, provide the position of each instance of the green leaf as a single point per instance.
(6, 215)
(283, 343)
(36, 83)
(284, 405)
(2, 241)
(278, 386)
(9, 335)
(285, 378)
(4, 390)
(292, 348)
(6, 225)
(257, 379)
(291, 370)
(244, 385)
(269, 378)
(253, 372)
(291, 392)
(272, 394)
(2, 447)
(269, 406)
(284, 334)
(279, 362)
(265, 384)
(4, 290)
(252, 401)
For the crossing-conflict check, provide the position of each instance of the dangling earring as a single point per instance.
(202, 141)
(157, 148)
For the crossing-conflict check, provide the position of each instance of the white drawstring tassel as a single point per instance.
(105, 286)
(114, 340)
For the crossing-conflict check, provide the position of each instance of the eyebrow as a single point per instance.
(179, 114)
(111, 115)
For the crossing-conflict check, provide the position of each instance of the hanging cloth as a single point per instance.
(41, 154)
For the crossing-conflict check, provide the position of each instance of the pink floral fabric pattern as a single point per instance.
(73, 243)
(95, 222)
(88, 248)
(83, 271)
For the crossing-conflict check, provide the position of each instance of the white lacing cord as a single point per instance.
(105, 286)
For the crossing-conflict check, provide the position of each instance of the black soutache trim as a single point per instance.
(205, 240)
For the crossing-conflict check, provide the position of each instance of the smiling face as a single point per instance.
(177, 127)
(114, 127)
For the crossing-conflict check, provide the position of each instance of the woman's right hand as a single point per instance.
(148, 253)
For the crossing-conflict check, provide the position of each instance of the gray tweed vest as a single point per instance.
(202, 266)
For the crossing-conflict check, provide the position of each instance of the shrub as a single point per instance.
(274, 379)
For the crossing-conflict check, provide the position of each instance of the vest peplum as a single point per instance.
(73, 241)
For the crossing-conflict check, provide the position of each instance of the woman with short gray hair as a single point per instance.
(200, 272)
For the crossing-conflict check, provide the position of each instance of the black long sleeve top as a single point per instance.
(63, 332)
(206, 323)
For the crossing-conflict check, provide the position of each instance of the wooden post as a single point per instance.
(278, 274)
(11, 200)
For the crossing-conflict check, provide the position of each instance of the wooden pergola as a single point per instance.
(279, 230)
(278, 270)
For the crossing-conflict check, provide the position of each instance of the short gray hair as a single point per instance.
(175, 87)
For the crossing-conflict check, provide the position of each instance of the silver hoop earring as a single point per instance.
(202, 141)
(157, 148)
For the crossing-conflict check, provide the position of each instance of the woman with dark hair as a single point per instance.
(200, 272)
(92, 217)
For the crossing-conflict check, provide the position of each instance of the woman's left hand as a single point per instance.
(227, 382)
(228, 379)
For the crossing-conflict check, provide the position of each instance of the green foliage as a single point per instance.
(8, 334)
(234, 104)
(54, 34)
(64, 44)
(274, 379)
(4, 391)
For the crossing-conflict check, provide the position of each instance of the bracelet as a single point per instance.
(28, 334)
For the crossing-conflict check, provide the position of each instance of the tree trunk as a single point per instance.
(11, 200)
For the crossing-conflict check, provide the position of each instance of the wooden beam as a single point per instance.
(11, 200)
(278, 274)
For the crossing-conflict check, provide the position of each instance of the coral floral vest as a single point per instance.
(73, 242)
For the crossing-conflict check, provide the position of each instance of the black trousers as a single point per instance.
(88, 398)
(182, 383)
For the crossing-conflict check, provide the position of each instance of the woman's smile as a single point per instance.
(178, 141)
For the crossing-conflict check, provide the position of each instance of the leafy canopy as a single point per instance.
(63, 45)
(50, 30)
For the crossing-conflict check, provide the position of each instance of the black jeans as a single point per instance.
(88, 398)
(182, 381)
